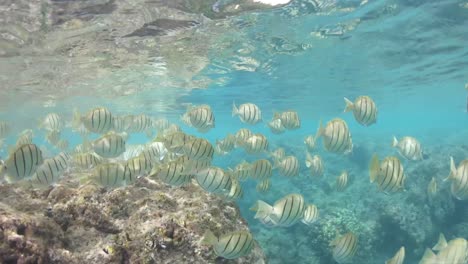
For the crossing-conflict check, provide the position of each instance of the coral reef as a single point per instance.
(146, 223)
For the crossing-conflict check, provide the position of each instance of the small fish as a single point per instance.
(236, 190)
(432, 188)
(155, 151)
(289, 119)
(200, 117)
(285, 212)
(276, 127)
(342, 181)
(453, 252)
(5, 129)
(118, 124)
(161, 124)
(388, 175)
(263, 186)
(214, 180)
(261, 169)
(63, 160)
(459, 178)
(278, 154)
(174, 141)
(256, 144)
(398, 258)
(225, 145)
(241, 171)
(110, 145)
(315, 164)
(139, 165)
(309, 141)
(248, 113)
(139, 124)
(231, 245)
(47, 174)
(53, 137)
(336, 136)
(133, 151)
(112, 175)
(242, 135)
(364, 110)
(193, 166)
(22, 163)
(98, 120)
(51, 122)
(408, 147)
(311, 214)
(199, 148)
(344, 247)
(171, 173)
(288, 166)
(87, 160)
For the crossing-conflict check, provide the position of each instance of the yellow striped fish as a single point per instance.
(364, 110)
(285, 212)
(139, 166)
(342, 181)
(193, 166)
(214, 180)
(256, 144)
(242, 135)
(139, 124)
(110, 145)
(225, 145)
(241, 171)
(289, 119)
(199, 149)
(236, 191)
(5, 129)
(398, 258)
(171, 173)
(453, 252)
(98, 120)
(261, 169)
(311, 214)
(276, 127)
(336, 136)
(408, 147)
(309, 141)
(174, 141)
(231, 245)
(432, 188)
(22, 163)
(344, 247)
(263, 186)
(87, 160)
(47, 174)
(200, 117)
(63, 160)
(315, 164)
(459, 178)
(112, 175)
(248, 113)
(51, 122)
(388, 175)
(288, 166)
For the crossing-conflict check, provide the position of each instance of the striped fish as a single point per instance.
(98, 120)
(336, 136)
(453, 252)
(248, 113)
(22, 163)
(155, 151)
(82, 130)
(200, 117)
(309, 141)
(51, 122)
(199, 149)
(138, 124)
(398, 258)
(87, 160)
(48, 173)
(364, 110)
(5, 129)
(242, 135)
(139, 166)
(285, 212)
(263, 186)
(214, 180)
(161, 124)
(241, 171)
(459, 178)
(289, 119)
(112, 175)
(225, 145)
(408, 147)
(311, 214)
(110, 145)
(342, 181)
(132, 151)
(278, 154)
(261, 169)
(174, 141)
(171, 173)
(236, 191)
(344, 247)
(315, 164)
(25, 137)
(193, 166)
(388, 174)
(276, 127)
(288, 166)
(63, 160)
(118, 124)
(256, 144)
(231, 245)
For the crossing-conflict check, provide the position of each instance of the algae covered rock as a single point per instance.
(146, 223)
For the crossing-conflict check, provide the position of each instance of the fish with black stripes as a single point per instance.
(230, 245)
(288, 166)
(51, 122)
(364, 110)
(263, 186)
(289, 119)
(199, 148)
(261, 169)
(87, 160)
(459, 178)
(200, 117)
(408, 147)
(248, 113)
(342, 181)
(98, 120)
(48, 173)
(311, 214)
(140, 165)
(21, 163)
(315, 164)
(336, 136)
(256, 144)
(171, 173)
(110, 145)
(389, 174)
(112, 175)
(285, 212)
(139, 124)
(344, 247)
(214, 180)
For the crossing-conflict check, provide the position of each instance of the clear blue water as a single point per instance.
(410, 56)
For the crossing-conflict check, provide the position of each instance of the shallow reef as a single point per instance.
(146, 223)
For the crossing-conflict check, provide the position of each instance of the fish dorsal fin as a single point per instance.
(453, 170)
(320, 131)
(441, 244)
(429, 257)
(394, 142)
(349, 105)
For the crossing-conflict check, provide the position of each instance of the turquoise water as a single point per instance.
(411, 57)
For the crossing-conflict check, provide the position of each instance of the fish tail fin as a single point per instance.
(441, 244)
(263, 209)
(349, 105)
(76, 122)
(374, 167)
(453, 170)
(394, 142)
(209, 238)
(429, 257)
(320, 130)
(235, 111)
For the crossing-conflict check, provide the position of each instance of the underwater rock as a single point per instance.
(146, 223)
